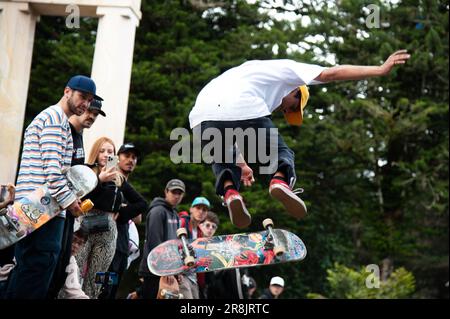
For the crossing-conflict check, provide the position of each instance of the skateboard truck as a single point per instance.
(11, 224)
(165, 294)
(189, 260)
(272, 242)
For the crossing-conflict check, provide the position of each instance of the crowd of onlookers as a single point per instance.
(80, 255)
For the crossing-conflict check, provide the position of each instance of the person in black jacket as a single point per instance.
(161, 224)
(108, 198)
(80, 123)
(275, 289)
(132, 210)
(77, 125)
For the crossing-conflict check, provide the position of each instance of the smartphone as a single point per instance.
(112, 161)
(106, 278)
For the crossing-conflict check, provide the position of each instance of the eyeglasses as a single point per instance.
(210, 225)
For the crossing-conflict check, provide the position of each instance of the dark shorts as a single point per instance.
(258, 140)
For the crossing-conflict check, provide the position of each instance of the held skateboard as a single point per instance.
(32, 211)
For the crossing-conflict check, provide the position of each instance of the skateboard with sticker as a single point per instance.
(268, 247)
(21, 218)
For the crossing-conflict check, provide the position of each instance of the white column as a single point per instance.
(111, 71)
(17, 26)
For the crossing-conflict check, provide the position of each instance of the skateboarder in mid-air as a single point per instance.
(243, 98)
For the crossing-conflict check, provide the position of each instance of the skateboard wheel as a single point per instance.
(181, 232)
(163, 292)
(267, 222)
(189, 261)
(279, 251)
(180, 296)
(86, 205)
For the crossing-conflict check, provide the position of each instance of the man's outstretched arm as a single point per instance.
(359, 72)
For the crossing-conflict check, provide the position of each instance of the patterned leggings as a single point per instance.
(96, 256)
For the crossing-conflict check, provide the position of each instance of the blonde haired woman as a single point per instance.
(98, 252)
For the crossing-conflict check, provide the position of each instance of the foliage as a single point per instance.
(347, 283)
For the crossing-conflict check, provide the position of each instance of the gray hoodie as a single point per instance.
(161, 224)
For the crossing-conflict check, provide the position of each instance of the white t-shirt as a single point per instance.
(194, 233)
(251, 90)
(133, 243)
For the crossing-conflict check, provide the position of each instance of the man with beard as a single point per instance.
(77, 125)
(47, 151)
(128, 155)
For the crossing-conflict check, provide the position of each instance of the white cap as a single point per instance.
(277, 281)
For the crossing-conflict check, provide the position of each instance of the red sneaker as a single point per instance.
(291, 202)
(239, 214)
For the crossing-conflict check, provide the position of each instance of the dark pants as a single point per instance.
(118, 265)
(60, 275)
(265, 142)
(150, 287)
(36, 256)
(6, 257)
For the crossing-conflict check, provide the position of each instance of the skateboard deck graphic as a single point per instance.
(38, 207)
(225, 252)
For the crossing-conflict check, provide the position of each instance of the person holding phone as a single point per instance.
(131, 211)
(100, 223)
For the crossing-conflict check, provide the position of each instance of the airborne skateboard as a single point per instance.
(267, 247)
(32, 211)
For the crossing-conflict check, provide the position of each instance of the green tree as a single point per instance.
(347, 283)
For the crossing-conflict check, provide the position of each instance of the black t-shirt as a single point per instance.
(123, 238)
(78, 150)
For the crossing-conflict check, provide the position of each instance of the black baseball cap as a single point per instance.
(128, 147)
(97, 105)
(84, 84)
(176, 184)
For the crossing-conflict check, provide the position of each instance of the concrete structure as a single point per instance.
(111, 68)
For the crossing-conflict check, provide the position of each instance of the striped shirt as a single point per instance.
(47, 151)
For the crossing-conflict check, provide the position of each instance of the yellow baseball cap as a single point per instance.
(296, 118)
